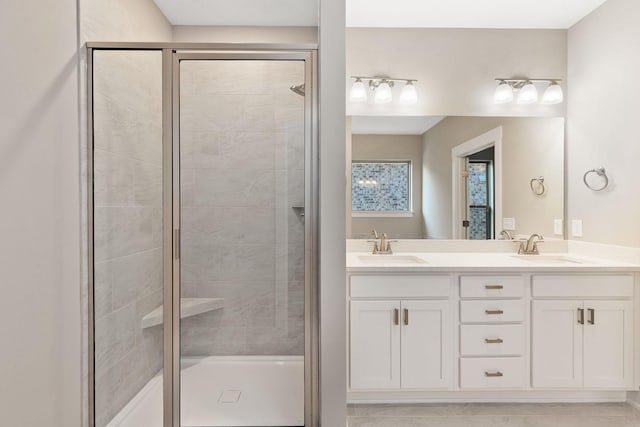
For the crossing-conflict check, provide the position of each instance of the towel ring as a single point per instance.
(539, 189)
(600, 172)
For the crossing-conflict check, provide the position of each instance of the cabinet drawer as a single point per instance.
(491, 311)
(491, 287)
(492, 372)
(492, 340)
(583, 286)
(400, 286)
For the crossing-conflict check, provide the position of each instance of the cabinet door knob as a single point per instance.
(592, 316)
(494, 312)
(493, 341)
(493, 374)
(396, 316)
(581, 316)
(493, 287)
(406, 316)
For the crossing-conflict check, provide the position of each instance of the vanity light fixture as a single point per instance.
(528, 94)
(358, 92)
(409, 94)
(383, 93)
(504, 93)
(527, 91)
(553, 94)
(382, 90)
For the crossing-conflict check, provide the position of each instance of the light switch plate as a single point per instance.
(576, 228)
(509, 224)
(557, 227)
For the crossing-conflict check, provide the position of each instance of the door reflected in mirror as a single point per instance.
(454, 177)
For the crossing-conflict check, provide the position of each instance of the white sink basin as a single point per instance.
(548, 259)
(391, 259)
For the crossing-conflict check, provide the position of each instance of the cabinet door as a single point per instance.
(426, 347)
(557, 343)
(608, 344)
(375, 344)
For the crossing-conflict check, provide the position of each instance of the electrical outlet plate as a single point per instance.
(576, 228)
(557, 227)
(509, 224)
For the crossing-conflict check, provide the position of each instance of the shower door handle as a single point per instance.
(176, 243)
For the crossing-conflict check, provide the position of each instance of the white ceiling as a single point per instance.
(384, 13)
(393, 125)
(544, 14)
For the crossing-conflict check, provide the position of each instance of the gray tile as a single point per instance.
(114, 337)
(113, 178)
(121, 231)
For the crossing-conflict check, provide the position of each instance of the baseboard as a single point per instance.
(528, 396)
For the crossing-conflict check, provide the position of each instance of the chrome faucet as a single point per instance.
(376, 248)
(531, 245)
(506, 234)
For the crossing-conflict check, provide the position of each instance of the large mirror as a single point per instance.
(455, 177)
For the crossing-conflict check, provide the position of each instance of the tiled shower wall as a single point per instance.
(242, 172)
(128, 224)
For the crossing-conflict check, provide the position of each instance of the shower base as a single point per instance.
(226, 391)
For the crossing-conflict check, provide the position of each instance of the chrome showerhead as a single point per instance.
(298, 89)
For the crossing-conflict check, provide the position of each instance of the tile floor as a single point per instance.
(495, 415)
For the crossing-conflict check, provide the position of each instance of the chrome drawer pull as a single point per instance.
(494, 341)
(396, 315)
(581, 316)
(494, 312)
(592, 316)
(492, 287)
(406, 316)
(493, 374)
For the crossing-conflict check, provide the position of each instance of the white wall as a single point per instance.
(602, 116)
(333, 350)
(390, 147)
(456, 68)
(39, 219)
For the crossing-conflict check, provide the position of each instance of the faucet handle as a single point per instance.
(374, 233)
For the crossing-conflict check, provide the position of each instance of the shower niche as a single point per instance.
(201, 218)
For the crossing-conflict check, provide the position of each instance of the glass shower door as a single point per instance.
(242, 242)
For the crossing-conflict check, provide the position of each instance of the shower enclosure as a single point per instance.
(202, 212)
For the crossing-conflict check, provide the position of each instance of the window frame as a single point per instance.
(409, 213)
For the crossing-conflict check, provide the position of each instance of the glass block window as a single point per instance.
(380, 186)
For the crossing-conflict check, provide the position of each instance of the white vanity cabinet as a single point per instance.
(492, 332)
(582, 331)
(400, 332)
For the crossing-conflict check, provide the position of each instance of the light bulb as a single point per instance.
(383, 93)
(409, 95)
(528, 94)
(358, 92)
(553, 94)
(503, 94)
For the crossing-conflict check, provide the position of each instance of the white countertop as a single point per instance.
(483, 262)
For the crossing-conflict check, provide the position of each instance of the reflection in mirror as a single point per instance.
(455, 177)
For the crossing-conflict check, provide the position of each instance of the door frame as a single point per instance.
(492, 138)
(172, 54)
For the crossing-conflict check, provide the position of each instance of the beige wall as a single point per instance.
(531, 147)
(603, 106)
(123, 20)
(456, 68)
(40, 215)
(206, 34)
(390, 147)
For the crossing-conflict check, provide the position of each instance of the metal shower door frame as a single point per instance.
(172, 55)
